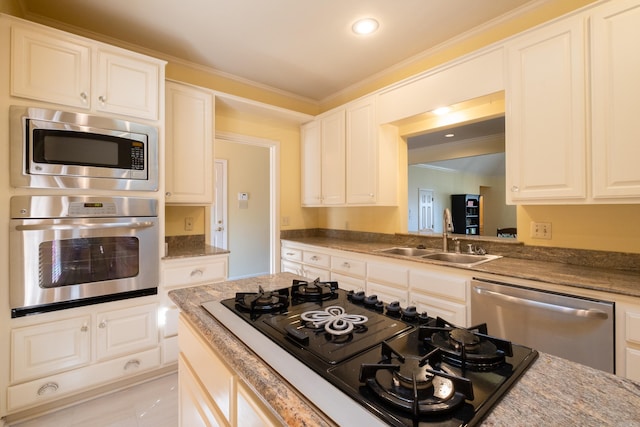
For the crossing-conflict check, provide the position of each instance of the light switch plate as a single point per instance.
(540, 230)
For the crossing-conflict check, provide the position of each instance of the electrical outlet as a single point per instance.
(540, 230)
(188, 223)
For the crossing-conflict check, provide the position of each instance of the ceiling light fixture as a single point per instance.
(440, 111)
(365, 26)
(450, 135)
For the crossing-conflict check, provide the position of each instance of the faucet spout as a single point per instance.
(447, 227)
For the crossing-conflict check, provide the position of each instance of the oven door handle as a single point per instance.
(86, 226)
(578, 312)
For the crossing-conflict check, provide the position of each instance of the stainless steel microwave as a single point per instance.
(59, 149)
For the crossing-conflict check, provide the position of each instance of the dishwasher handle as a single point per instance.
(591, 313)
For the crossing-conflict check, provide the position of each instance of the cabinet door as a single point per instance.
(435, 307)
(127, 85)
(196, 407)
(388, 294)
(50, 67)
(545, 130)
(333, 159)
(361, 153)
(46, 349)
(310, 154)
(251, 412)
(615, 65)
(126, 331)
(189, 145)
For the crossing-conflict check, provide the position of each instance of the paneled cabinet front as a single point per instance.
(348, 160)
(52, 359)
(189, 144)
(53, 66)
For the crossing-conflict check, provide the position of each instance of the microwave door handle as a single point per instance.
(87, 226)
(579, 312)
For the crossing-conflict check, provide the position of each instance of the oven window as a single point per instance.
(87, 260)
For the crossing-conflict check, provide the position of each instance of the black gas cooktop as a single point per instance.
(407, 368)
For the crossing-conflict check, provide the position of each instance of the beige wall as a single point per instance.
(175, 216)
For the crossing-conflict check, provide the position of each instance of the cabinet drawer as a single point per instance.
(388, 294)
(291, 254)
(190, 272)
(633, 327)
(348, 266)
(315, 258)
(57, 386)
(49, 348)
(313, 273)
(291, 267)
(438, 284)
(388, 273)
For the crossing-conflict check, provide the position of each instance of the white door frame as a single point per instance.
(219, 221)
(274, 186)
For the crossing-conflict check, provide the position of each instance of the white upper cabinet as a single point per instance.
(546, 114)
(615, 67)
(348, 160)
(189, 144)
(332, 158)
(311, 171)
(57, 67)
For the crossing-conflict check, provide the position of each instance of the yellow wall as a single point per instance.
(288, 136)
(175, 220)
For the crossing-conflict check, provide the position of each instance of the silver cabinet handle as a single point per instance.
(290, 254)
(103, 324)
(83, 96)
(48, 388)
(314, 258)
(346, 265)
(132, 364)
(197, 272)
(84, 328)
(578, 312)
(515, 188)
(102, 99)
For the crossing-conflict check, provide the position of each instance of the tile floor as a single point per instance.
(152, 404)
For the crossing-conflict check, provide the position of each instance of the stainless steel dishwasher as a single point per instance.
(575, 328)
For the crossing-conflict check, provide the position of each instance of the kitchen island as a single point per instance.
(553, 391)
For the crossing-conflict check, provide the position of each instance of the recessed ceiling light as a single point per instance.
(441, 111)
(450, 135)
(365, 26)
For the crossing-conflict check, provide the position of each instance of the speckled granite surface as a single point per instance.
(624, 282)
(189, 246)
(553, 391)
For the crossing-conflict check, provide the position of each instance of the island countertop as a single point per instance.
(553, 391)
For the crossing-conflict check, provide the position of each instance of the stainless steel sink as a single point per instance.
(405, 251)
(466, 260)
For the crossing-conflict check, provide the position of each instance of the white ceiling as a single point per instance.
(302, 47)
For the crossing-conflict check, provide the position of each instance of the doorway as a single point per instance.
(252, 231)
(219, 216)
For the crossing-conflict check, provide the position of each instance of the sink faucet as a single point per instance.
(447, 227)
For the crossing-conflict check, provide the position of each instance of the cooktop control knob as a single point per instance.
(393, 309)
(371, 300)
(410, 313)
(357, 297)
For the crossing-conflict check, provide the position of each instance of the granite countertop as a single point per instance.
(598, 279)
(553, 391)
(194, 251)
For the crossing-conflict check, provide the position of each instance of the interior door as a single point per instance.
(425, 210)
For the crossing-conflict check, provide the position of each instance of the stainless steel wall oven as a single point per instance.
(67, 251)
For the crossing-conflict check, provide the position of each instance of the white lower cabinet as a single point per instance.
(211, 394)
(51, 358)
(180, 273)
(439, 293)
(630, 337)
